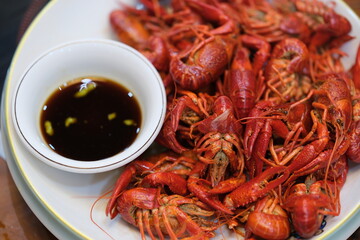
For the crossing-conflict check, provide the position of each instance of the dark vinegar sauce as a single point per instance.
(90, 119)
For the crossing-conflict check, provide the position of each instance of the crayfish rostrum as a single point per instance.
(262, 118)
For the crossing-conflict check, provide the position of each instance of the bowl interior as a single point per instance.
(104, 58)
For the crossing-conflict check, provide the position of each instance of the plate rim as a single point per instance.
(6, 105)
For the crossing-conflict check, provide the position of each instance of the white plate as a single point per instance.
(63, 200)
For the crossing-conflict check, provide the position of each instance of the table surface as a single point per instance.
(18, 222)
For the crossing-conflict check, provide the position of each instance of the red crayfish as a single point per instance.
(262, 118)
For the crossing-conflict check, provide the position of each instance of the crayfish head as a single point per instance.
(334, 93)
(345, 115)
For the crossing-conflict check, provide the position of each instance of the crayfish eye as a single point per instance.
(338, 121)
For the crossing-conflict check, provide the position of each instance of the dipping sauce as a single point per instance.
(90, 119)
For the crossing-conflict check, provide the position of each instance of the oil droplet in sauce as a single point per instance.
(90, 119)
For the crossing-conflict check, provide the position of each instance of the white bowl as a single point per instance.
(105, 58)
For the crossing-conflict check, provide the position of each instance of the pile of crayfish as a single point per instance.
(262, 118)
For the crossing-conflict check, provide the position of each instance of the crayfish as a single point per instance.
(262, 118)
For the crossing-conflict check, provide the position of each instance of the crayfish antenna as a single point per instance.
(92, 211)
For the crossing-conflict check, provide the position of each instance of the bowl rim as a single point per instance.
(101, 165)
